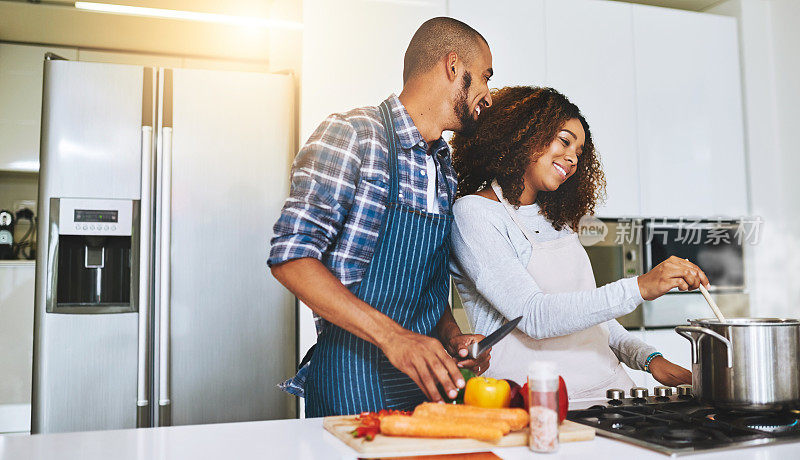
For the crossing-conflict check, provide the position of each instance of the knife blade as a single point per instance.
(491, 340)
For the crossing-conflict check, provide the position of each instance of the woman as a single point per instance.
(526, 178)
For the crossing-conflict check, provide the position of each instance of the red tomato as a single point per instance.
(563, 400)
(526, 396)
(370, 422)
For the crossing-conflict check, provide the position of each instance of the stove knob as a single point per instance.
(615, 393)
(663, 391)
(684, 391)
(638, 392)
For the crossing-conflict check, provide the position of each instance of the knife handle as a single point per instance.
(473, 351)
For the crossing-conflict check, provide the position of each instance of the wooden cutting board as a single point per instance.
(341, 426)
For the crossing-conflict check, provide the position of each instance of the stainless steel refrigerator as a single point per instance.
(158, 191)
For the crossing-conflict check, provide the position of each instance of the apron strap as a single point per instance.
(391, 142)
(512, 212)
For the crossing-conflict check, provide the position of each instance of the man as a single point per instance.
(363, 238)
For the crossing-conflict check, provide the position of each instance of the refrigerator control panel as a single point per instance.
(94, 217)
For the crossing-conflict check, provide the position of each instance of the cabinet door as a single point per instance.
(21, 75)
(690, 125)
(590, 60)
(515, 38)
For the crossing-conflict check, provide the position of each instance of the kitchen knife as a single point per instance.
(489, 341)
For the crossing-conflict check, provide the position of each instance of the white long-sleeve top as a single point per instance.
(489, 263)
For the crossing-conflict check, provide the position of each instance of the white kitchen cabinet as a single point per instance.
(21, 76)
(516, 38)
(590, 60)
(690, 126)
(16, 344)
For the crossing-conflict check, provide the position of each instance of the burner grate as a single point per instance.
(683, 426)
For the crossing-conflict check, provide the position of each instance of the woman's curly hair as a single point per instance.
(517, 129)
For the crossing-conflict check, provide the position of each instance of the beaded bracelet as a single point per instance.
(650, 358)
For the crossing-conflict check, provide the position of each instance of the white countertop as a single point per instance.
(290, 439)
(18, 263)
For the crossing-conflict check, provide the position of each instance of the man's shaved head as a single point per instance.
(434, 39)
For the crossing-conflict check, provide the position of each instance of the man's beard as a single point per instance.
(468, 122)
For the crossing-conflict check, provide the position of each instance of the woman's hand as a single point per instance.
(671, 273)
(458, 347)
(668, 373)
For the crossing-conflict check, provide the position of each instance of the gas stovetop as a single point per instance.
(680, 425)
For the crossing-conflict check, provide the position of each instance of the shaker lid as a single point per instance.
(542, 370)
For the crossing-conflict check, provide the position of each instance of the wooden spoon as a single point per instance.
(712, 304)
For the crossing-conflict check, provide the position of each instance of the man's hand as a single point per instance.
(458, 347)
(422, 358)
(425, 361)
(669, 374)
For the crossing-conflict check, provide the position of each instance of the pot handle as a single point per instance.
(687, 332)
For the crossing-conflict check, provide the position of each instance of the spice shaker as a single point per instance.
(543, 387)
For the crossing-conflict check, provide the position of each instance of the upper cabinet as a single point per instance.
(689, 107)
(516, 38)
(590, 60)
(21, 76)
(660, 89)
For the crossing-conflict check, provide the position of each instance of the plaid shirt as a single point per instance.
(340, 186)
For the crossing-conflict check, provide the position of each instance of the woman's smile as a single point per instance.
(561, 171)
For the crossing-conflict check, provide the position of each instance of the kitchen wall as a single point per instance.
(769, 38)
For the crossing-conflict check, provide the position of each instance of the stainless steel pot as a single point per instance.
(745, 363)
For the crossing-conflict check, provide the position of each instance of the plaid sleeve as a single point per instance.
(323, 185)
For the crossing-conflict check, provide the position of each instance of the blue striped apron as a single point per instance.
(407, 280)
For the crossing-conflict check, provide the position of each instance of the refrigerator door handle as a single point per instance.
(143, 418)
(164, 413)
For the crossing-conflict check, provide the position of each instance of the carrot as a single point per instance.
(516, 418)
(502, 425)
(436, 427)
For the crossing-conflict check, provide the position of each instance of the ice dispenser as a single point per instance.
(93, 256)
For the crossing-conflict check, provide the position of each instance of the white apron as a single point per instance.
(583, 358)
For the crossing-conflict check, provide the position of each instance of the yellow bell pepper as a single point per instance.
(487, 392)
